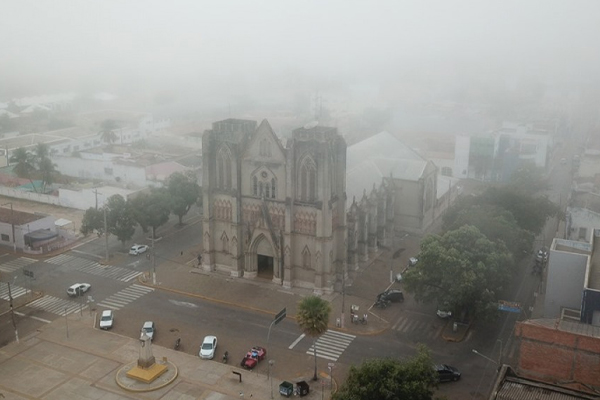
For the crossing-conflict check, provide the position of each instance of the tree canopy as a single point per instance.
(462, 269)
(184, 193)
(390, 379)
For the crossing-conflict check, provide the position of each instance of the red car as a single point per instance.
(252, 358)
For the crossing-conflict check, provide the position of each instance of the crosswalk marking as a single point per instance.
(94, 268)
(15, 264)
(331, 345)
(424, 328)
(57, 306)
(125, 296)
(15, 291)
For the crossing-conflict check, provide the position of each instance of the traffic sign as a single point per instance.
(280, 315)
(509, 306)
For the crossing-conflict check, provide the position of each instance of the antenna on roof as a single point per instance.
(311, 125)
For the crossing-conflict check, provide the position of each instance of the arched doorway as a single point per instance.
(264, 259)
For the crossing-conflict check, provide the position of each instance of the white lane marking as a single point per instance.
(20, 314)
(296, 341)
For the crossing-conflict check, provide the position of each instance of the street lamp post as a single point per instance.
(499, 361)
(271, 362)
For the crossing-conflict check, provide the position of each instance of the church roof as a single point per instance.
(380, 156)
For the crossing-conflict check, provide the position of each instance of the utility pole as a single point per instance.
(105, 233)
(153, 260)
(12, 313)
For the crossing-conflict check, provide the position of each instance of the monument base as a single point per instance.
(147, 375)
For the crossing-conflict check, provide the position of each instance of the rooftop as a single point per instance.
(15, 217)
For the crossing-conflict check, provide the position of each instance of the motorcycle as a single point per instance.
(177, 343)
(225, 357)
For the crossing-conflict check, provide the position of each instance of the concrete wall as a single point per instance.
(565, 282)
(552, 355)
(104, 170)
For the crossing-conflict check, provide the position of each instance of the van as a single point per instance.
(106, 320)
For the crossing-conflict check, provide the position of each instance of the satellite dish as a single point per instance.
(311, 125)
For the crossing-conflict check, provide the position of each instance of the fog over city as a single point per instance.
(201, 52)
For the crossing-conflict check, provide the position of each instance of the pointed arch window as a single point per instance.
(273, 188)
(307, 181)
(306, 258)
(224, 243)
(260, 189)
(255, 186)
(223, 169)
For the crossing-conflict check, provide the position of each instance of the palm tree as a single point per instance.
(313, 317)
(25, 164)
(107, 131)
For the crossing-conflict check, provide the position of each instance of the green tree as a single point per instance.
(152, 210)
(462, 269)
(184, 193)
(496, 223)
(93, 221)
(391, 379)
(528, 179)
(47, 172)
(120, 218)
(313, 317)
(530, 212)
(25, 164)
(107, 131)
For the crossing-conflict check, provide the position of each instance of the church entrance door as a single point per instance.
(264, 267)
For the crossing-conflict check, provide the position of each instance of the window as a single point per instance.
(446, 171)
(306, 258)
(5, 238)
(273, 188)
(260, 189)
(255, 186)
(224, 169)
(307, 181)
(267, 191)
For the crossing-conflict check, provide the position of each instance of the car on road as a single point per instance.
(138, 249)
(149, 329)
(392, 295)
(106, 320)
(444, 313)
(208, 347)
(412, 261)
(446, 373)
(78, 289)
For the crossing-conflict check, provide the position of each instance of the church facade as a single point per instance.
(272, 211)
(280, 213)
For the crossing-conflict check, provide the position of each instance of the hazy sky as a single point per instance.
(63, 45)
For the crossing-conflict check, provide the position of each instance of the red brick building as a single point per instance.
(562, 352)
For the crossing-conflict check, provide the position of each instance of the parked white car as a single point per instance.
(138, 249)
(106, 320)
(208, 347)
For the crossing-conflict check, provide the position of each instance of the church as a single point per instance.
(279, 212)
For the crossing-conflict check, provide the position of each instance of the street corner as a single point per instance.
(455, 331)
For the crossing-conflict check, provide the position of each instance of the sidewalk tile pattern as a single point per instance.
(94, 268)
(15, 291)
(331, 345)
(125, 296)
(57, 306)
(15, 264)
